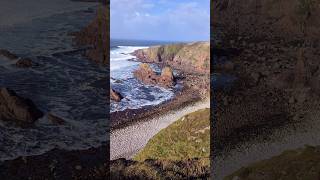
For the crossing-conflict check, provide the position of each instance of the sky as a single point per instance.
(165, 20)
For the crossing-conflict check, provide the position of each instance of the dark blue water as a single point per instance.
(65, 84)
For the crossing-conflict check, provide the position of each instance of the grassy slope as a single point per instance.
(180, 151)
(187, 138)
(290, 165)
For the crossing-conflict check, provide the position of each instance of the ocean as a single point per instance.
(65, 83)
(122, 65)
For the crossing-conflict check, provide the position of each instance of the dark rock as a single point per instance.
(24, 63)
(8, 54)
(115, 96)
(16, 108)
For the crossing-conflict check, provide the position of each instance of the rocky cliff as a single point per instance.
(188, 57)
(96, 36)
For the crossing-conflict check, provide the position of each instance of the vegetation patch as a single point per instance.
(187, 138)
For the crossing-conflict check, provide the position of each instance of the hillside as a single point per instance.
(179, 151)
(188, 57)
(187, 138)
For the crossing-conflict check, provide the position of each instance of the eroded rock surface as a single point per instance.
(146, 75)
(16, 108)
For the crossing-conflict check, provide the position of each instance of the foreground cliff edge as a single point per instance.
(179, 151)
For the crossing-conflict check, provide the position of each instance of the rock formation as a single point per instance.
(96, 35)
(25, 63)
(16, 108)
(8, 54)
(115, 96)
(146, 75)
(189, 57)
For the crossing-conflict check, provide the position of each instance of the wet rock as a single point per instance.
(146, 75)
(166, 79)
(16, 108)
(115, 96)
(55, 119)
(8, 54)
(25, 63)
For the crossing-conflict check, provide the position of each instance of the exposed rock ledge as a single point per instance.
(16, 108)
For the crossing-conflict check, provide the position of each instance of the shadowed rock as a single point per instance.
(115, 96)
(25, 63)
(16, 108)
(8, 54)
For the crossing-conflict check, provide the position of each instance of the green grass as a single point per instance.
(290, 165)
(187, 138)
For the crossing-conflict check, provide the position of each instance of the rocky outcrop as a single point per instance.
(25, 63)
(16, 108)
(8, 54)
(96, 35)
(115, 96)
(187, 57)
(146, 75)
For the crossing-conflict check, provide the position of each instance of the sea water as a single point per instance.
(65, 84)
(122, 65)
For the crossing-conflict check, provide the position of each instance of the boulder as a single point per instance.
(16, 108)
(8, 54)
(24, 63)
(115, 96)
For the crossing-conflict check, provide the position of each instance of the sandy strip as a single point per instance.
(126, 142)
(288, 138)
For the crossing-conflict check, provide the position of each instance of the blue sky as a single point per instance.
(167, 20)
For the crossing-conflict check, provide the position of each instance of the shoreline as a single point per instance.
(127, 141)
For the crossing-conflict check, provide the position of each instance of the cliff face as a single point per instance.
(282, 18)
(190, 58)
(96, 35)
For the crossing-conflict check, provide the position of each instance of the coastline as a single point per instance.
(125, 142)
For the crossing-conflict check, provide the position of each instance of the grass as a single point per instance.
(290, 165)
(187, 138)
